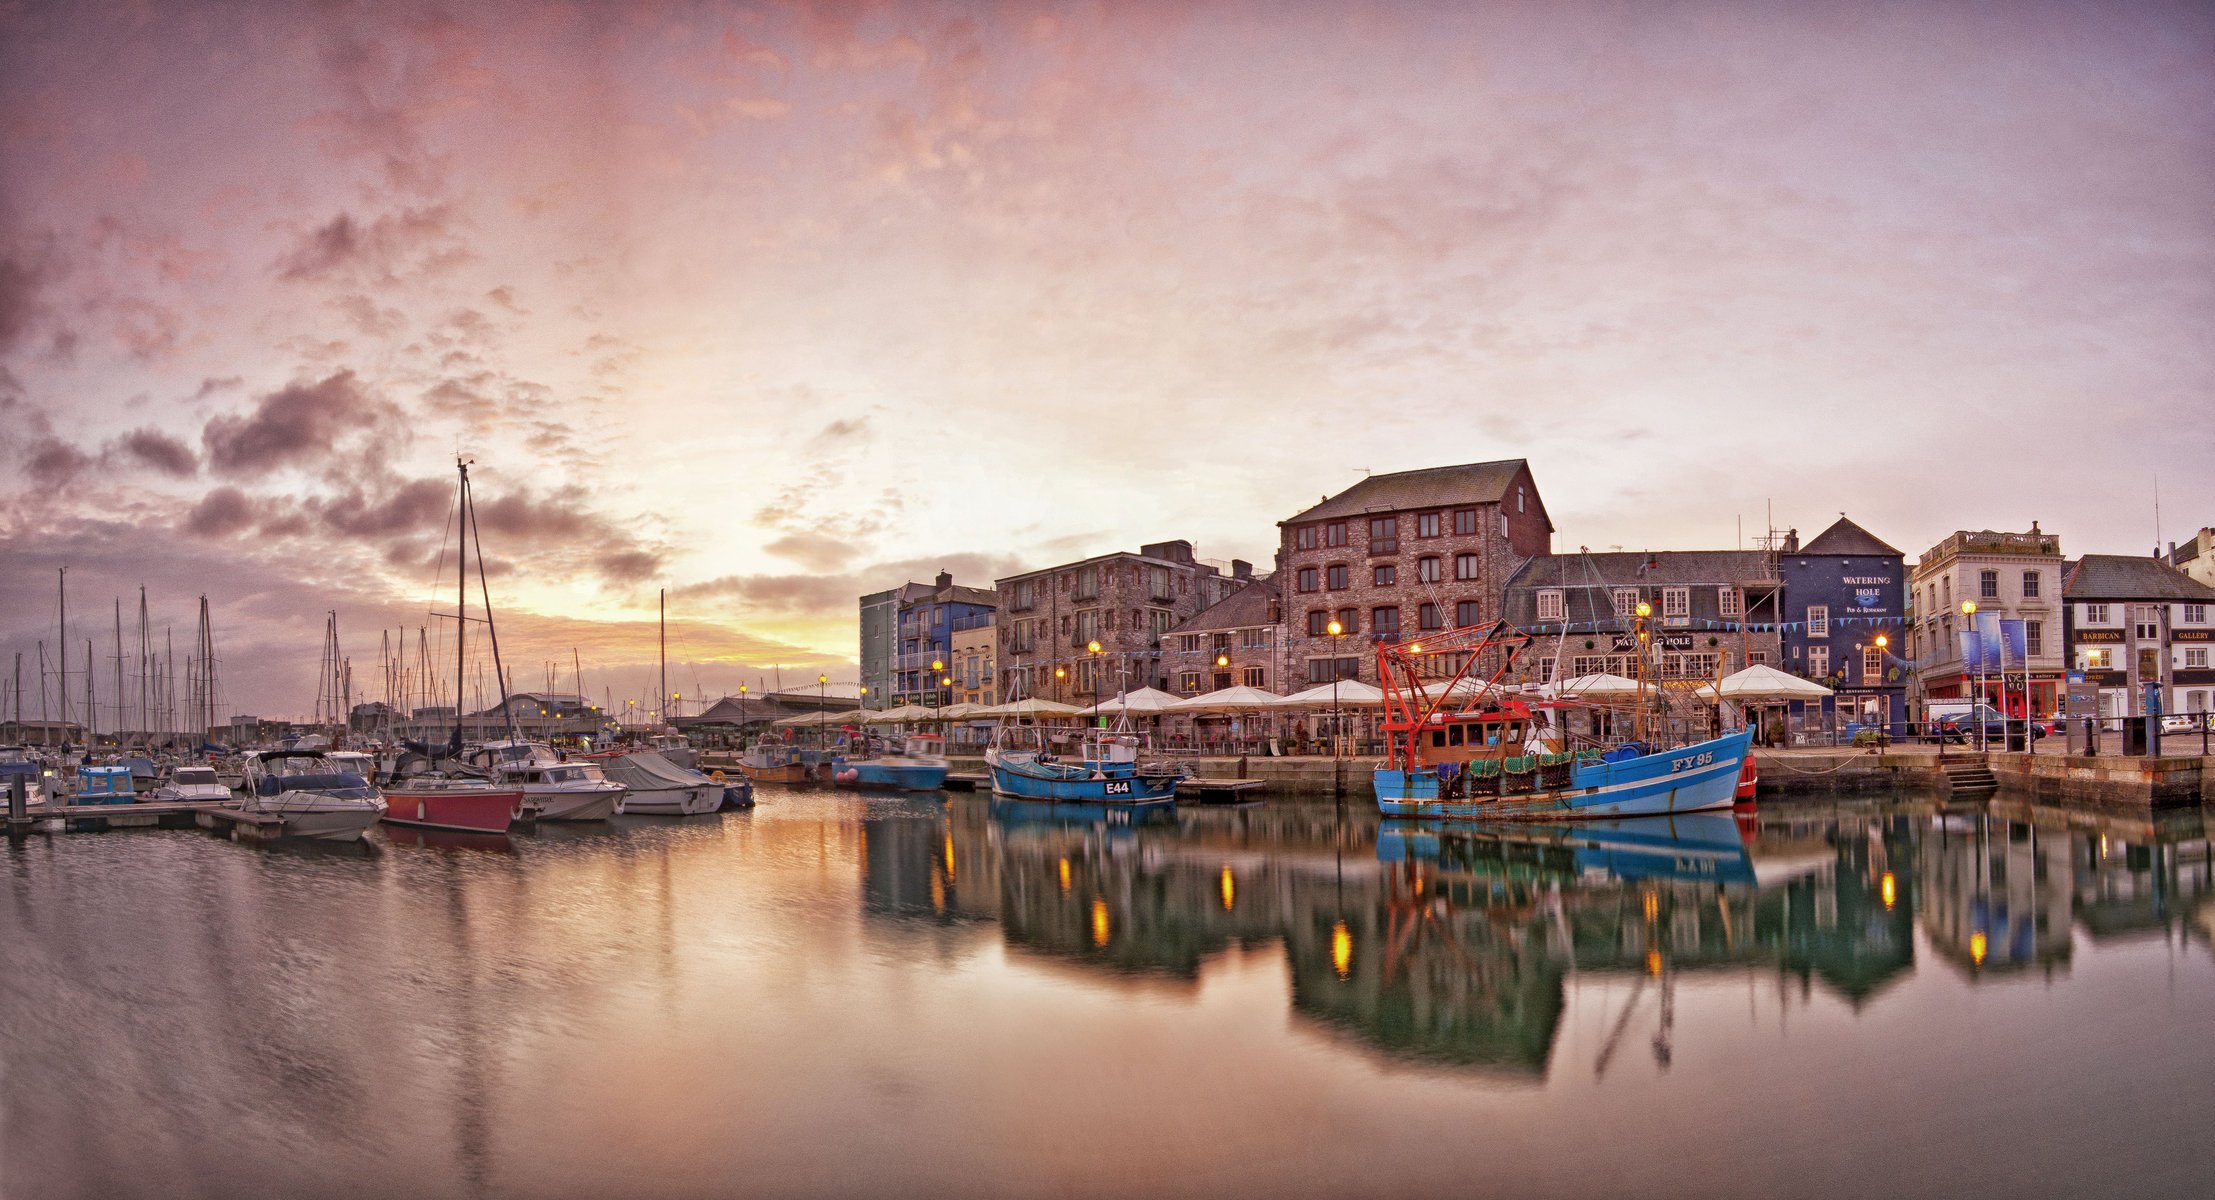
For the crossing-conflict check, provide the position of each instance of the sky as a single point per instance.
(770, 305)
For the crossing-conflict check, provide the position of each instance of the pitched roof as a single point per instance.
(1658, 568)
(2129, 577)
(1244, 608)
(1846, 539)
(1432, 487)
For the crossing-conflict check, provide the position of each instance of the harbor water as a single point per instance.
(942, 996)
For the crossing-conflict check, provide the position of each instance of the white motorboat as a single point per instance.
(659, 787)
(559, 791)
(315, 797)
(190, 785)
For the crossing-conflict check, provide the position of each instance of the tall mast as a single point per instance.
(119, 672)
(663, 698)
(461, 604)
(145, 669)
(62, 675)
(45, 729)
(92, 714)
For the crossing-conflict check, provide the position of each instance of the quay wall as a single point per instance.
(2109, 781)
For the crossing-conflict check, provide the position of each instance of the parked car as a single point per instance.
(2187, 722)
(1961, 727)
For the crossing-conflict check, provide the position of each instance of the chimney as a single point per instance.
(945, 579)
(2034, 529)
(1791, 541)
(1241, 569)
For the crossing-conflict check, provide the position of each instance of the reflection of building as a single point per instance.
(1995, 894)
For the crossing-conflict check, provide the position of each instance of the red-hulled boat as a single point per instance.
(463, 807)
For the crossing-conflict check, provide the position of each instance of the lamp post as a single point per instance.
(1884, 641)
(1338, 767)
(823, 711)
(938, 665)
(1644, 610)
(1968, 618)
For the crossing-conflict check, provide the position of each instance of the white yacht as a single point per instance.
(190, 785)
(316, 797)
(559, 791)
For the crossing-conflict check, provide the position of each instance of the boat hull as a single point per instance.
(1695, 778)
(320, 820)
(1127, 792)
(782, 773)
(459, 810)
(564, 804)
(689, 801)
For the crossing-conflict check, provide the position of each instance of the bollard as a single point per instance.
(17, 803)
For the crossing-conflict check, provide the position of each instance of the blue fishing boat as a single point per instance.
(1104, 770)
(1457, 751)
(104, 785)
(919, 766)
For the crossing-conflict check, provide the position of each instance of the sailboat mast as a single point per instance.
(62, 675)
(663, 698)
(119, 717)
(92, 714)
(45, 730)
(461, 602)
(492, 631)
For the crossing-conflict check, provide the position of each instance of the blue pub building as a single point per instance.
(928, 618)
(1845, 596)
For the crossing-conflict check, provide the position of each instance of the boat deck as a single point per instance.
(1220, 791)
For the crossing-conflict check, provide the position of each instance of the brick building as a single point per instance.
(1233, 643)
(1400, 554)
(1714, 612)
(1125, 602)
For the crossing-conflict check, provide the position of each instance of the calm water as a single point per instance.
(843, 996)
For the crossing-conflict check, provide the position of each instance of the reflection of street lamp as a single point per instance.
(1968, 618)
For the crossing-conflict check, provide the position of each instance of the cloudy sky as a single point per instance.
(774, 304)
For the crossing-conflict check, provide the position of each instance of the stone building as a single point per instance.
(1233, 643)
(1401, 554)
(2134, 624)
(975, 649)
(2018, 577)
(1714, 612)
(1050, 618)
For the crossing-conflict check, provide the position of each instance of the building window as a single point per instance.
(1318, 623)
(1188, 682)
(1323, 670)
(1872, 665)
(1385, 575)
(1757, 658)
(1468, 612)
(1334, 534)
(1428, 570)
(1384, 535)
(2195, 657)
(2195, 614)
(1818, 620)
(1518, 499)
(1384, 620)
(1676, 605)
(1253, 677)
(1730, 602)
(1257, 638)
(1465, 522)
(1349, 620)
(1426, 616)
(1189, 643)
(1465, 566)
(1988, 585)
(1503, 522)
(1303, 538)
(1088, 583)
(2095, 614)
(1426, 525)
(2147, 625)
(2034, 638)
(2101, 659)
(1550, 607)
(1818, 661)
(2030, 585)
(1335, 577)
(1626, 602)
(1310, 579)
(1582, 665)
(1159, 620)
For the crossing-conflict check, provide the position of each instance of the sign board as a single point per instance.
(2099, 636)
(2192, 635)
(2083, 698)
(1627, 643)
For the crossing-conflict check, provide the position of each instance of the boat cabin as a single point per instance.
(1499, 729)
(105, 785)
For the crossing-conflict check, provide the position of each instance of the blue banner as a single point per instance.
(1972, 650)
(2014, 644)
(1988, 638)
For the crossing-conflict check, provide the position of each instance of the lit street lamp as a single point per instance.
(1338, 766)
(1968, 617)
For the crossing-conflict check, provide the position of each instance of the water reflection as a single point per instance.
(842, 995)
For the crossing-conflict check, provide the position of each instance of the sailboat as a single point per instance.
(463, 804)
(659, 784)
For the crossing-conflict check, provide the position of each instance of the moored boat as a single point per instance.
(1475, 753)
(658, 787)
(1105, 770)
(315, 799)
(190, 784)
(556, 790)
(919, 766)
(461, 805)
(773, 761)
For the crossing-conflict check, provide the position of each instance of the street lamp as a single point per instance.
(1338, 768)
(822, 711)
